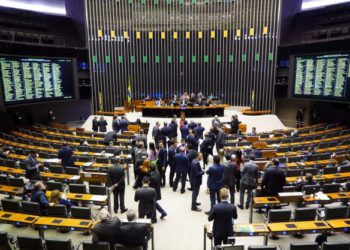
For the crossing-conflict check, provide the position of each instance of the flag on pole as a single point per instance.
(129, 91)
(252, 99)
(100, 101)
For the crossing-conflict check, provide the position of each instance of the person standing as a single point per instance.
(239, 161)
(141, 137)
(51, 117)
(184, 131)
(165, 133)
(206, 148)
(65, 154)
(155, 182)
(123, 124)
(162, 163)
(95, 124)
(115, 124)
(102, 124)
(229, 176)
(156, 133)
(181, 169)
(198, 131)
(300, 117)
(249, 182)
(223, 215)
(234, 125)
(173, 126)
(196, 180)
(273, 180)
(116, 182)
(215, 181)
(171, 162)
(147, 199)
(32, 166)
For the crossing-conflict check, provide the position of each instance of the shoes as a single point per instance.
(183, 191)
(196, 209)
(247, 206)
(207, 213)
(198, 203)
(163, 215)
(189, 189)
(240, 206)
(123, 210)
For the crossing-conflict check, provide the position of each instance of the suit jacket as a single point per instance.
(196, 173)
(199, 132)
(65, 154)
(250, 174)
(229, 175)
(32, 171)
(184, 131)
(273, 180)
(162, 157)
(155, 182)
(192, 140)
(171, 156)
(115, 175)
(165, 131)
(192, 125)
(116, 125)
(215, 179)
(123, 124)
(94, 125)
(142, 138)
(223, 215)
(234, 126)
(110, 136)
(147, 197)
(108, 231)
(102, 124)
(220, 139)
(181, 163)
(173, 126)
(40, 197)
(133, 234)
(156, 132)
(207, 146)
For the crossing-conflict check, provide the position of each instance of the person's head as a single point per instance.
(32, 153)
(216, 159)
(216, 116)
(140, 144)
(251, 157)
(131, 215)
(165, 124)
(206, 135)
(104, 215)
(65, 144)
(153, 168)
(152, 146)
(221, 152)
(310, 149)
(199, 124)
(185, 122)
(101, 117)
(182, 149)
(157, 124)
(224, 193)
(141, 132)
(309, 177)
(95, 118)
(174, 145)
(199, 156)
(145, 180)
(39, 185)
(275, 162)
(55, 197)
(228, 157)
(253, 129)
(50, 111)
(160, 145)
(111, 143)
(239, 154)
(183, 141)
(115, 117)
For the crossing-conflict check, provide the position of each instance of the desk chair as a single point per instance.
(84, 158)
(29, 207)
(77, 188)
(58, 244)
(82, 148)
(279, 215)
(312, 171)
(94, 150)
(44, 155)
(311, 189)
(52, 185)
(294, 172)
(4, 180)
(332, 213)
(305, 214)
(312, 157)
(347, 187)
(81, 212)
(28, 242)
(297, 148)
(10, 205)
(330, 170)
(262, 248)
(122, 247)
(57, 211)
(264, 136)
(304, 246)
(330, 188)
(294, 158)
(288, 189)
(336, 246)
(22, 165)
(323, 145)
(344, 169)
(72, 170)
(16, 182)
(4, 241)
(345, 142)
(35, 143)
(56, 169)
(103, 160)
(298, 139)
(88, 245)
(10, 163)
(99, 190)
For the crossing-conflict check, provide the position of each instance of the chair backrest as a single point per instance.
(262, 248)
(282, 149)
(100, 190)
(294, 158)
(330, 170)
(77, 188)
(4, 241)
(312, 157)
(279, 215)
(293, 172)
(56, 169)
(344, 169)
(311, 189)
(84, 159)
(17, 182)
(102, 160)
(347, 187)
(58, 244)
(52, 185)
(81, 212)
(339, 212)
(336, 246)
(29, 207)
(304, 246)
(330, 188)
(305, 214)
(72, 170)
(10, 163)
(4, 180)
(88, 245)
(288, 189)
(29, 242)
(312, 171)
(57, 211)
(122, 247)
(10, 205)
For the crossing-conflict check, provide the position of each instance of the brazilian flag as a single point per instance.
(129, 91)
(100, 101)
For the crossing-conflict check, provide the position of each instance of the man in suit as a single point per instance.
(155, 182)
(220, 139)
(223, 214)
(234, 125)
(147, 199)
(39, 196)
(115, 124)
(102, 124)
(215, 181)
(156, 133)
(249, 181)
(123, 124)
(184, 131)
(162, 162)
(196, 180)
(173, 126)
(181, 169)
(215, 121)
(107, 230)
(206, 148)
(134, 234)
(116, 182)
(32, 166)
(192, 154)
(192, 140)
(198, 131)
(95, 124)
(273, 180)
(165, 132)
(171, 162)
(3, 152)
(229, 176)
(110, 136)
(141, 137)
(192, 125)
(65, 154)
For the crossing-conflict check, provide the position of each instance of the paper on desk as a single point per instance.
(88, 164)
(290, 194)
(244, 229)
(75, 178)
(53, 160)
(99, 197)
(275, 145)
(321, 196)
(108, 154)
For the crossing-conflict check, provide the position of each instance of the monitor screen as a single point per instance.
(322, 76)
(29, 80)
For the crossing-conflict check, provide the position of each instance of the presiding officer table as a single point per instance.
(189, 111)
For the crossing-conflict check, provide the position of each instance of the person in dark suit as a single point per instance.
(134, 234)
(116, 182)
(123, 124)
(165, 132)
(102, 124)
(206, 148)
(192, 125)
(220, 140)
(196, 180)
(192, 140)
(51, 117)
(229, 176)
(156, 133)
(95, 124)
(116, 124)
(273, 180)
(147, 199)
(223, 214)
(173, 126)
(155, 182)
(181, 169)
(171, 162)
(39, 196)
(234, 123)
(249, 181)
(309, 180)
(184, 131)
(198, 131)
(110, 136)
(191, 154)
(32, 166)
(162, 162)
(107, 230)
(141, 137)
(215, 180)
(65, 154)
(300, 117)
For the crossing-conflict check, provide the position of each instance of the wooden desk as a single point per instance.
(265, 202)
(305, 227)
(11, 190)
(13, 171)
(17, 218)
(85, 198)
(340, 225)
(60, 177)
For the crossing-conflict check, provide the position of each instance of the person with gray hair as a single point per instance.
(107, 229)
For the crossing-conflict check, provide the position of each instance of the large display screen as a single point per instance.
(322, 76)
(28, 80)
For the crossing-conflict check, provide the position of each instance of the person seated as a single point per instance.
(107, 229)
(40, 197)
(56, 198)
(83, 142)
(158, 102)
(110, 136)
(3, 152)
(308, 181)
(253, 132)
(112, 149)
(134, 234)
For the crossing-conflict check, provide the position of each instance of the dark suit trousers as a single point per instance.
(232, 194)
(217, 241)
(195, 193)
(183, 181)
(149, 215)
(162, 175)
(238, 180)
(212, 194)
(118, 195)
(171, 176)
